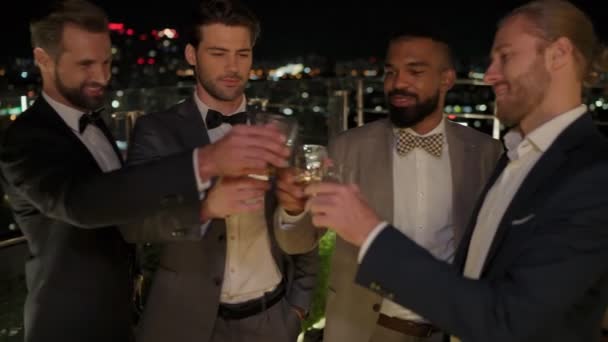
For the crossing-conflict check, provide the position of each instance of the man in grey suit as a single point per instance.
(226, 280)
(416, 169)
(533, 262)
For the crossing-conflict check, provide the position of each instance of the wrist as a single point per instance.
(207, 167)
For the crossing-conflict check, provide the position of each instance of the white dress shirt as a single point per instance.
(422, 201)
(250, 269)
(523, 153)
(92, 137)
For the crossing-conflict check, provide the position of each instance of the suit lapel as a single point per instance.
(463, 248)
(54, 121)
(193, 130)
(548, 164)
(106, 132)
(380, 188)
(461, 156)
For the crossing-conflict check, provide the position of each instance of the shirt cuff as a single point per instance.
(370, 238)
(200, 185)
(205, 227)
(286, 221)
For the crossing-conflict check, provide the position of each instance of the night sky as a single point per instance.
(335, 28)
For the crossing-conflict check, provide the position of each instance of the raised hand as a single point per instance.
(290, 194)
(233, 195)
(244, 150)
(341, 207)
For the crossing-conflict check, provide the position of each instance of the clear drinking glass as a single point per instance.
(288, 126)
(310, 163)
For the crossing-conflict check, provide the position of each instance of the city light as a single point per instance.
(288, 111)
(116, 26)
(369, 90)
(316, 109)
(115, 104)
(476, 75)
(24, 74)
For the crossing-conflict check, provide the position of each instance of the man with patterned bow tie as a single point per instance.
(226, 280)
(419, 171)
(533, 262)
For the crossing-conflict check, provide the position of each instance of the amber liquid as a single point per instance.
(306, 177)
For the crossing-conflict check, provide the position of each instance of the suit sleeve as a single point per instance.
(305, 270)
(561, 260)
(303, 237)
(177, 223)
(35, 163)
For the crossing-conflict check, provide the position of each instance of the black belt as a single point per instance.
(407, 327)
(251, 307)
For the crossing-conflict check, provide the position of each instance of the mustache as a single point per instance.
(232, 75)
(402, 93)
(94, 84)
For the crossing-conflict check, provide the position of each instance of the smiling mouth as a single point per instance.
(501, 90)
(402, 100)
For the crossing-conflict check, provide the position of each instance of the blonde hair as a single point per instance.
(553, 19)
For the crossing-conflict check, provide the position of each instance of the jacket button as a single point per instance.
(177, 233)
(222, 237)
(376, 307)
(217, 281)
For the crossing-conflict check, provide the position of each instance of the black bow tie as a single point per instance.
(215, 119)
(93, 117)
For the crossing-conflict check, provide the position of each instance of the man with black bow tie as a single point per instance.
(62, 173)
(224, 280)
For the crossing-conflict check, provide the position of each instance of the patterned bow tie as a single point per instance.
(93, 117)
(215, 119)
(406, 142)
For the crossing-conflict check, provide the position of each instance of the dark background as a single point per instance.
(335, 29)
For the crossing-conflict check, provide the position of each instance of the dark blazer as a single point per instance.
(185, 293)
(546, 274)
(79, 273)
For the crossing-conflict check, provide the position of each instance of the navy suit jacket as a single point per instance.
(546, 274)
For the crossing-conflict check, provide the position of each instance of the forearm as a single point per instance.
(503, 309)
(298, 236)
(173, 225)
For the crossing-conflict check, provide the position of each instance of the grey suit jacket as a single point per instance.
(351, 310)
(184, 297)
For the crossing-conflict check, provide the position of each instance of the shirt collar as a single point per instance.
(543, 136)
(204, 108)
(70, 115)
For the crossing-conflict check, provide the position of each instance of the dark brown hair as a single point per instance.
(227, 12)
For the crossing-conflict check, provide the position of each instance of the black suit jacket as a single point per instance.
(185, 293)
(78, 276)
(546, 275)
